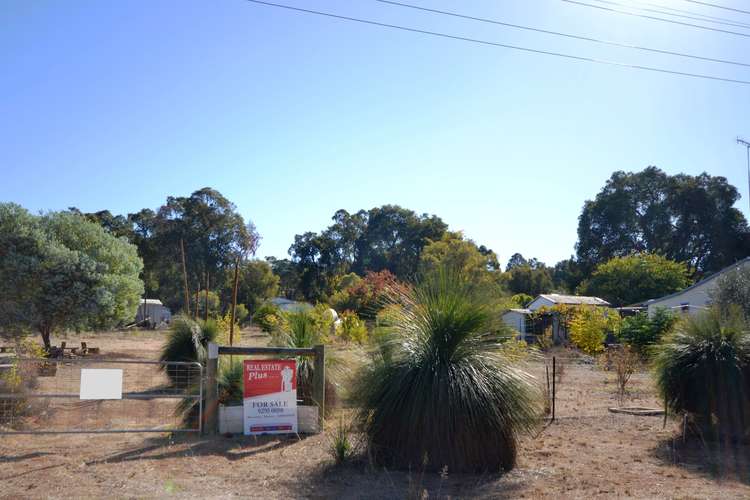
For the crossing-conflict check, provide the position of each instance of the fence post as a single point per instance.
(554, 377)
(212, 403)
(319, 382)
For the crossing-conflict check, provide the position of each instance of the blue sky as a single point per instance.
(117, 105)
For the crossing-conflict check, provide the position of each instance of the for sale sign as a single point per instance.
(270, 396)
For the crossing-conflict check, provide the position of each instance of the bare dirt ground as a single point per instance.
(587, 452)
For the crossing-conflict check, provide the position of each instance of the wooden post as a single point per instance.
(234, 300)
(205, 313)
(319, 382)
(549, 393)
(184, 277)
(554, 378)
(211, 410)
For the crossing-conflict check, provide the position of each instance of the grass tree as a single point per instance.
(703, 369)
(307, 328)
(187, 340)
(442, 391)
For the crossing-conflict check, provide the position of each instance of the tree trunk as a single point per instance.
(46, 332)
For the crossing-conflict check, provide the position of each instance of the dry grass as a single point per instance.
(587, 453)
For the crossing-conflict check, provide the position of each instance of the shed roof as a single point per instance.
(151, 302)
(556, 298)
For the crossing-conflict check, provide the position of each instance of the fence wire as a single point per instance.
(44, 396)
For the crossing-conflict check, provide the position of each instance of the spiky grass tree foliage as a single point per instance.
(703, 369)
(442, 391)
(302, 329)
(186, 341)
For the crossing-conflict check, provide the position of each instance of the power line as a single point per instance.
(716, 6)
(566, 35)
(665, 12)
(645, 16)
(496, 44)
(683, 11)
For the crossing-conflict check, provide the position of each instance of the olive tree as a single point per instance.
(60, 271)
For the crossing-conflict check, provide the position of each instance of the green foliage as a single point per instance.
(691, 219)
(641, 331)
(351, 328)
(528, 277)
(384, 238)
(341, 448)
(636, 278)
(521, 300)
(733, 290)
(452, 250)
(212, 233)
(187, 340)
(306, 328)
(441, 392)
(703, 368)
(590, 325)
(267, 317)
(240, 314)
(214, 309)
(61, 271)
(256, 284)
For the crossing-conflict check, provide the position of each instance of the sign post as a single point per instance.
(270, 396)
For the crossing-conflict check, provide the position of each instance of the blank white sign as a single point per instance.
(101, 383)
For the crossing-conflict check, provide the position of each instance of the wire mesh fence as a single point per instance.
(46, 396)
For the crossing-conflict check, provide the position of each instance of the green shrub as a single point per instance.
(441, 392)
(703, 368)
(267, 317)
(642, 332)
(240, 314)
(351, 328)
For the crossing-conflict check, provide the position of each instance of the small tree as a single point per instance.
(61, 271)
(624, 362)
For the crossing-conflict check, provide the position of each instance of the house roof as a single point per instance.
(556, 298)
(522, 311)
(151, 302)
(736, 265)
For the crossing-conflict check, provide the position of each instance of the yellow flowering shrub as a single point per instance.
(589, 327)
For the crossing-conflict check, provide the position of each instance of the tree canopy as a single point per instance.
(529, 277)
(59, 271)
(686, 218)
(455, 252)
(384, 238)
(256, 284)
(205, 223)
(635, 278)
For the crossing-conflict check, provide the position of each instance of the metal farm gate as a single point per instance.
(50, 396)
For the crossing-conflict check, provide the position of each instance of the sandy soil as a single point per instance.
(587, 452)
